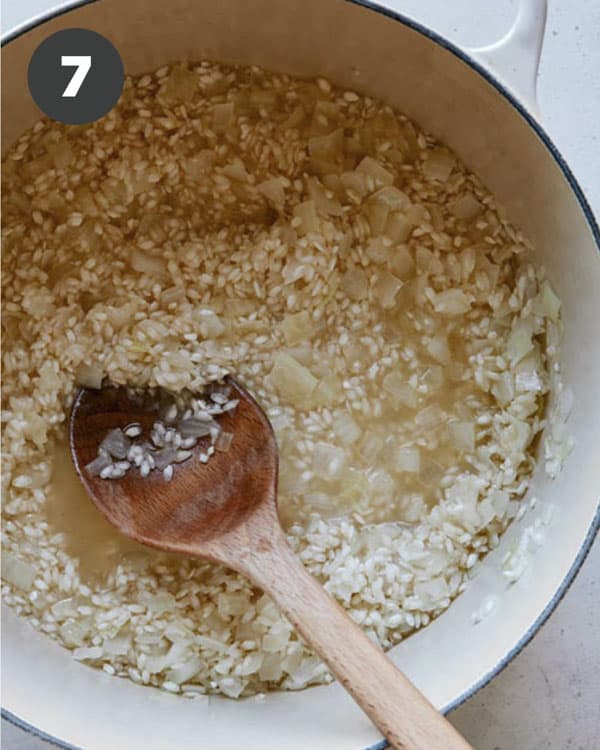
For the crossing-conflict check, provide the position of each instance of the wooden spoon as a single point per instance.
(226, 511)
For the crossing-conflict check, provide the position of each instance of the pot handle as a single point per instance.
(515, 58)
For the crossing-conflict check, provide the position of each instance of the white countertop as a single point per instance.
(548, 698)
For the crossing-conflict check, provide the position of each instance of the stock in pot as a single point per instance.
(482, 104)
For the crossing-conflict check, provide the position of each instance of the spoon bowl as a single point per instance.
(206, 506)
(225, 510)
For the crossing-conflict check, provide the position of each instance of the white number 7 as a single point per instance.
(83, 63)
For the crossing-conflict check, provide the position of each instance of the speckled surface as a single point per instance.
(548, 698)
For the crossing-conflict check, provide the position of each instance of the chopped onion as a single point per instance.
(194, 427)
(328, 460)
(430, 417)
(403, 394)
(273, 191)
(328, 146)
(222, 116)
(452, 302)
(462, 435)
(307, 214)
(293, 381)
(17, 572)
(372, 168)
(402, 263)
(437, 347)
(391, 197)
(549, 302)
(439, 164)
(164, 457)
(466, 207)
(355, 283)
(377, 216)
(386, 288)
(223, 442)
(116, 444)
(89, 375)
(297, 328)
(398, 227)
(144, 263)
(520, 340)
(408, 459)
(100, 462)
(346, 428)
(325, 205)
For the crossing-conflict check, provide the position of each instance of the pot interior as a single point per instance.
(391, 60)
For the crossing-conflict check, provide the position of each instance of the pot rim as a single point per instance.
(533, 122)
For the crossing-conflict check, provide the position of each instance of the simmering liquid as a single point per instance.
(89, 537)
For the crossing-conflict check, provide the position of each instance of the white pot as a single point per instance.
(493, 126)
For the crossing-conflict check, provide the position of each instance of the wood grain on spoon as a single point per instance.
(226, 511)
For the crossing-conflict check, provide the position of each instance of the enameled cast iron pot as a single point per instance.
(482, 104)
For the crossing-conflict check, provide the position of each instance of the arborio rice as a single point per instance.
(351, 272)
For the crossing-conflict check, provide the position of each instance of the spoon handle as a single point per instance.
(392, 702)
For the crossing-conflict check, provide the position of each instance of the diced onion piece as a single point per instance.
(398, 227)
(550, 303)
(354, 183)
(355, 283)
(528, 381)
(328, 460)
(430, 417)
(297, 327)
(198, 165)
(17, 572)
(377, 216)
(372, 168)
(194, 427)
(408, 459)
(144, 263)
(116, 443)
(223, 442)
(439, 164)
(89, 375)
(222, 116)
(273, 191)
(328, 146)
(452, 302)
(437, 347)
(165, 457)
(294, 382)
(402, 393)
(515, 438)
(328, 391)
(433, 377)
(236, 170)
(327, 205)
(520, 341)
(345, 428)
(180, 86)
(462, 435)
(466, 207)
(391, 197)
(386, 288)
(306, 212)
(503, 389)
(402, 263)
(160, 602)
(95, 467)
(87, 654)
(173, 295)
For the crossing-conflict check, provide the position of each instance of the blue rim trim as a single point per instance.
(589, 216)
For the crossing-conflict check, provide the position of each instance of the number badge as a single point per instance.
(76, 76)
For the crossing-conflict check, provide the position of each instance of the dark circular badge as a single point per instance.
(76, 76)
